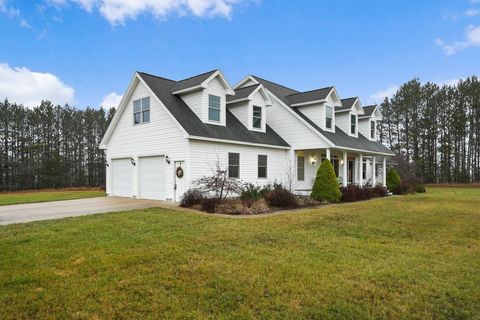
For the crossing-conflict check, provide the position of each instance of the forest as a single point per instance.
(436, 128)
(51, 146)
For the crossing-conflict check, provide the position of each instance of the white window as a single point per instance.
(372, 129)
(262, 166)
(257, 117)
(328, 117)
(300, 168)
(141, 110)
(353, 124)
(213, 108)
(234, 165)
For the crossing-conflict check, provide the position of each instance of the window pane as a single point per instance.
(257, 111)
(233, 172)
(257, 122)
(329, 123)
(328, 117)
(146, 103)
(233, 159)
(136, 106)
(146, 116)
(262, 172)
(300, 168)
(213, 114)
(136, 118)
(372, 129)
(353, 122)
(262, 161)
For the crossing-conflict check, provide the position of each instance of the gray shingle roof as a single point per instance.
(368, 111)
(234, 129)
(313, 95)
(242, 92)
(347, 104)
(339, 138)
(192, 81)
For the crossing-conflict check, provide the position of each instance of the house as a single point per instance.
(166, 134)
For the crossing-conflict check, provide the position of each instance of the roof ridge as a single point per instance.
(198, 75)
(277, 84)
(252, 85)
(293, 94)
(349, 98)
(153, 75)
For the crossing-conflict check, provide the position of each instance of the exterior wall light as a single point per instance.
(313, 159)
(167, 159)
(133, 161)
(106, 163)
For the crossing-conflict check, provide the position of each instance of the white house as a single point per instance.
(166, 134)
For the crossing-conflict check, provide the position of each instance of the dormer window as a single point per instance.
(328, 117)
(257, 117)
(141, 110)
(213, 108)
(372, 129)
(353, 124)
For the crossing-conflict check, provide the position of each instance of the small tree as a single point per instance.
(219, 184)
(393, 180)
(326, 187)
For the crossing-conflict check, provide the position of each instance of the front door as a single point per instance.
(179, 180)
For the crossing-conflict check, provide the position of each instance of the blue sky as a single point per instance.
(80, 51)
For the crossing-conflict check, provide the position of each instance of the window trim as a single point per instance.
(141, 111)
(328, 107)
(256, 117)
(302, 167)
(265, 166)
(233, 165)
(211, 107)
(353, 125)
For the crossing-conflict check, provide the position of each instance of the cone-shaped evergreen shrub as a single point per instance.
(393, 180)
(326, 187)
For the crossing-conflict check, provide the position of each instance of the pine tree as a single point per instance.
(326, 186)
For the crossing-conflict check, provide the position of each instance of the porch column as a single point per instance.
(345, 166)
(360, 170)
(384, 178)
(374, 178)
(327, 152)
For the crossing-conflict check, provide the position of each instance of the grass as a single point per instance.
(48, 195)
(406, 257)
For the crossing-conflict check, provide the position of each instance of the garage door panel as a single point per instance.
(152, 178)
(122, 175)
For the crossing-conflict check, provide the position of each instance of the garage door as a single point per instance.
(122, 174)
(152, 178)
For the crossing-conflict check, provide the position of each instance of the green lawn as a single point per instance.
(50, 195)
(409, 257)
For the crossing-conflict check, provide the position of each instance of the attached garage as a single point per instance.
(122, 177)
(151, 178)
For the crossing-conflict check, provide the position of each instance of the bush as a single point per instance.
(191, 197)
(250, 194)
(420, 188)
(306, 201)
(326, 186)
(379, 191)
(210, 204)
(393, 180)
(405, 188)
(265, 189)
(352, 193)
(281, 198)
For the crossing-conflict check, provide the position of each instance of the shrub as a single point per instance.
(393, 180)
(231, 206)
(306, 201)
(352, 193)
(326, 186)
(420, 188)
(265, 189)
(405, 188)
(281, 198)
(191, 197)
(250, 194)
(209, 204)
(379, 191)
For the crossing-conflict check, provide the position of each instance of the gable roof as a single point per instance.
(347, 104)
(193, 81)
(242, 93)
(309, 96)
(369, 110)
(234, 130)
(338, 138)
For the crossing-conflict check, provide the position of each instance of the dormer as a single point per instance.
(368, 122)
(206, 95)
(318, 105)
(248, 105)
(347, 115)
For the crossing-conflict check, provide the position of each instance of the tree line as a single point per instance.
(437, 128)
(51, 146)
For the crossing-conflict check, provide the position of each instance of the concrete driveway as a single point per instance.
(20, 213)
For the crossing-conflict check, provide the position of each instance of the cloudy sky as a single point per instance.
(84, 52)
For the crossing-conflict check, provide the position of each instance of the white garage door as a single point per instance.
(122, 174)
(152, 178)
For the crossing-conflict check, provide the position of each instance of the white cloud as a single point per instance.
(24, 24)
(29, 88)
(8, 10)
(118, 11)
(472, 39)
(111, 100)
(474, 1)
(379, 96)
(472, 12)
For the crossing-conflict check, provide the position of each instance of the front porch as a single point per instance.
(351, 167)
